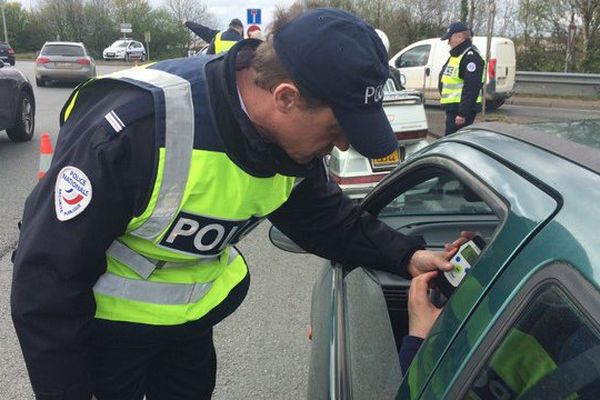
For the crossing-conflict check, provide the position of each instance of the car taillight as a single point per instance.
(356, 180)
(420, 134)
(42, 60)
(83, 61)
(492, 68)
(11, 51)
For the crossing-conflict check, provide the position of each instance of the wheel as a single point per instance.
(24, 126)
(127, 58)
(143, 58)
(40, 82)
(12, 63)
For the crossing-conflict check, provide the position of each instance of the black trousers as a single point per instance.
(182, 370)
(451, 126)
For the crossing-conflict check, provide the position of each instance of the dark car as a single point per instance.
(17, 104)
(525, 321)
(7, 54)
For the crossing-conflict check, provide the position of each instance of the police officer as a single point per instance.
(461, 79)
(219, 40)
(126, 257)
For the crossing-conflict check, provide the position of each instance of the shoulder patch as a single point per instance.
(471, 67)
(72, 193)
(470, 53)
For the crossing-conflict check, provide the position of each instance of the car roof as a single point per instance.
(64, 43)
(559, 138)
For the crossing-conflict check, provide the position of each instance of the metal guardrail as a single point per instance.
(557, 84)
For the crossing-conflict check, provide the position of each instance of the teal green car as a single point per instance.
(525, 321)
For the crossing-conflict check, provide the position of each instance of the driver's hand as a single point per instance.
(422, 314)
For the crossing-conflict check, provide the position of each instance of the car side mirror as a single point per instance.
(403, 79)
(398, 62)
(37, 53)
(283, 242)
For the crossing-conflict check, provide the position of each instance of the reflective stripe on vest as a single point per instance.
(179, 123)
(143, 266)
(452, 84)
(222, 45)
(155, 292)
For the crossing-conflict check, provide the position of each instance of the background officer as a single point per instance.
(219, 41)
(461, 79)
(126, 257)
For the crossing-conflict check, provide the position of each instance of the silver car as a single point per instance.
(65, 62)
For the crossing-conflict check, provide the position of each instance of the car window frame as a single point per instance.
(562, 275)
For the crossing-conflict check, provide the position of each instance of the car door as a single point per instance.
(543, 342)
(413, 63)
(449, 187)
(7, 101)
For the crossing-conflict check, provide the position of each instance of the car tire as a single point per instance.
(143, 58)
(12, 63)
(127, 58)
(24, 126)
(40, 82)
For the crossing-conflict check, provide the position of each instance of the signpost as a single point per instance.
(253, 16)
(125, 28)
(147, 39)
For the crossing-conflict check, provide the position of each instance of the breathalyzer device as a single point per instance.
(463, 260)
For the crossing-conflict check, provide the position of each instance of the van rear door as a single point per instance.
(505, 65)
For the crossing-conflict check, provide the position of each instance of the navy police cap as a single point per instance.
(454, 27)
(341, 60)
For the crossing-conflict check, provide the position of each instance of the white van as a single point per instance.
(421, 63)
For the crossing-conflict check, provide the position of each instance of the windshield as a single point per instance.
(62, 50)
(119, 43)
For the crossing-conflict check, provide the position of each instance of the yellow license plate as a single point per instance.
(387, 161)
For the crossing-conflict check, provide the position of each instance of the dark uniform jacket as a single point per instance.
(57, 263)
(471, 78)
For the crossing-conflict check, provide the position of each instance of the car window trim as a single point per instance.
(563, 276)
(375, 201)
(338, 361)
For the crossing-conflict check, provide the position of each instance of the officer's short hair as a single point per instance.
(467, 34)
(270, 71)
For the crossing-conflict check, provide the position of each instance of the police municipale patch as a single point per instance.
(72, 193)
(471, 67)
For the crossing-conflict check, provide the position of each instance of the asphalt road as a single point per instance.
(262, 348)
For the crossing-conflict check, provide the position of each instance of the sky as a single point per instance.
(225, 10)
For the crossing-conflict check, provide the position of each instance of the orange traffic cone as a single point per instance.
(45, 155)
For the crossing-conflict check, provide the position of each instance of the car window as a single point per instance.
(549, 352)
(62, 50)
(415, 57)
(442, 194)
(119, 43)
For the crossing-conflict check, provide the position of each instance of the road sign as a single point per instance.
(253, 15)
(147, 37)
(125, 28)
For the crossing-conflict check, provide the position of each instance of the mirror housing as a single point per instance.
(403, 79)
(283, 242)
